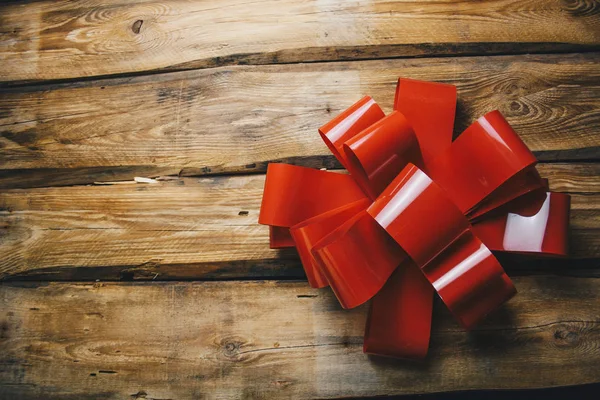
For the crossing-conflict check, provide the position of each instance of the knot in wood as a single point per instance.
(566, 336)
(581, 8)
(137, 26)
(231, 349)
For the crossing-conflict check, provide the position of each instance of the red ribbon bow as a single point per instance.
(418, 213)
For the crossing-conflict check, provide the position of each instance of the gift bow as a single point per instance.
(417, 214)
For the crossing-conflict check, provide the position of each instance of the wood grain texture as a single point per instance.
(190, 228)
(94, 93)
(277, 340)
(237, 119)
(61, 40)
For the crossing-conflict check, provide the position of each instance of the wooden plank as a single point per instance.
(64, 40)
(190, 228)
(277, 340)
(237, 119)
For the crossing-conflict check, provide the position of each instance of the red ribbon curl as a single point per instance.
(417, 214)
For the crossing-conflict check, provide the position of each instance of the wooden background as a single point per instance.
(117, 289)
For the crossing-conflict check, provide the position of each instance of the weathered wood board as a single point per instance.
(190, 227)
(62, 40)
(237, 119)
(94, 93)
(277, 340)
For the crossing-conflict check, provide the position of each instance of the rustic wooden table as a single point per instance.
(118, 289)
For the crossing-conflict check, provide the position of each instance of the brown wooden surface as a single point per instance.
(58, 40)
(191, 227)
(203, 96)
(237, 119)
(277, 339)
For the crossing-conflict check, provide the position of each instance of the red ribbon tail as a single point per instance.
(399, 320)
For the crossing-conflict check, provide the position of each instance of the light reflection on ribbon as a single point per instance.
(415, 185)
(526, 233)
(465, 265)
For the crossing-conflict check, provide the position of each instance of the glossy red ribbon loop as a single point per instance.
(430, 107)
(483, 158)
(294, 194)
(308, 233)
(418, 214)
(357, 258)
(431, 229)
(348, 124)
(537, 223)
(378, 153)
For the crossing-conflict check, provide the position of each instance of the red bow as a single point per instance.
(418, 213)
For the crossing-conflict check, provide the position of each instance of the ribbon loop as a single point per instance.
(430, 107)
(469, 280)
(436, 235)
(357, 258)
(537, 223)
(348, 124)
(293, 194)
(480, 160)
(418, 215)
(377, 154)
(309, 232)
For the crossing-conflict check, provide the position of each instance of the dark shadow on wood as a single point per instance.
(579, 392)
